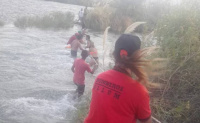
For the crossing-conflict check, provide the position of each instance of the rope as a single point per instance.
(96, 63)
(156, 120)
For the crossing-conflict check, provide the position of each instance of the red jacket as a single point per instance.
(71, 39)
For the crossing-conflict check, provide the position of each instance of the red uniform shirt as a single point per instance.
(79, 74)
(117, 98)
(71, 39)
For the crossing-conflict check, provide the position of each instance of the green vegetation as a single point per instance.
(119, 14)
(1, 23)
(55, 20)
(100, 18)
(179, 38)
(176, 30)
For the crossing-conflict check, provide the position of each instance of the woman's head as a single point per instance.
(126, 43)
(84, 54)
(128, 56)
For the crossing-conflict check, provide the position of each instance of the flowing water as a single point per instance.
(35, 68)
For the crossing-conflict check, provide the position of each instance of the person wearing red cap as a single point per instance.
(73, 37)
(79, 67)
(116, 96)
(75, 45)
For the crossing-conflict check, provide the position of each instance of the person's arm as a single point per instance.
(71, 39)
(143, 110)
(80, 46)
(94, 69)
(82, 42)
(147, 121)
(88, 44)
(91, 71)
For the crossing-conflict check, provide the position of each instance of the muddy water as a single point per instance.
(35, 77)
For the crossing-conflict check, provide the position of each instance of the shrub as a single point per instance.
(55, 20)
(102, 17)
(179, 38)
(119, 22)
(98, 18)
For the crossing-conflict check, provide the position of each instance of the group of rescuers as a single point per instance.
(116, 96)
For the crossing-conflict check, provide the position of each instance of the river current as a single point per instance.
(35, 67)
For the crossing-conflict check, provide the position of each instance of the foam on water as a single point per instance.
(35, 68)
(34, 109)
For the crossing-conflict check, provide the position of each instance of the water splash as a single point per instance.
(32, 109)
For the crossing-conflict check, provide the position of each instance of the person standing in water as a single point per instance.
(84, 18)
(79, 67)
(75, 45)
(80, 15)
(94, 54)
(116, 96)
(88, 41)
(73, 37)
(85, 12)
(92, 51)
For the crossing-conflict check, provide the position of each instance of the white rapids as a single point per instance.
(35, 67)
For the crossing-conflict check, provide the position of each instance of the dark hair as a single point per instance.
(126, 42)
(84, 54)
(79, 36)
(133, 58)
(88, 36)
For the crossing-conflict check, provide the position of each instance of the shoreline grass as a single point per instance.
(55, 20)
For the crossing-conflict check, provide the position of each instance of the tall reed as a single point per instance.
(178, 36)
(55, 20)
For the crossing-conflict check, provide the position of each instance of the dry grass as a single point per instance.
(55, 20)
(102, 17)
(98, 18)
(178, 101)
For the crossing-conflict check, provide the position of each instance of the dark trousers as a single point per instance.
(80, 89)
(73, 53)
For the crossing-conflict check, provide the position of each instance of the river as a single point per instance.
(35, 68)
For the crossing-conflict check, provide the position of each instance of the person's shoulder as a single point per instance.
(75, 40)
(85, 63)
(140, 88)
(77, 59)
(106, 73)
